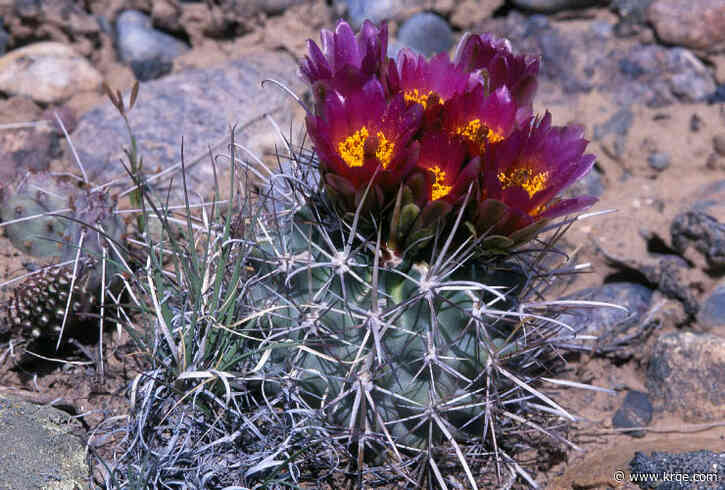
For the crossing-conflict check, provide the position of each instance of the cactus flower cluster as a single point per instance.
(416, 135)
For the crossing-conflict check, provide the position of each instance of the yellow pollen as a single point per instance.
(385, 150)
(439, 190)
(352, 148)
(525, 178)
(416, 96)
(478, 133)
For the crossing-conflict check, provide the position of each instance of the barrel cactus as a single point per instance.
(396, 270)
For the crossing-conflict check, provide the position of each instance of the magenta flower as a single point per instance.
(345, 62)
(527, 171)
(492, 63)
(362, 134)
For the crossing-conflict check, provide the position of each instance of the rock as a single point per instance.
(468, 13)
(426, 33)
(659, 161)
(717, 96)
(148, 51)
(42, 447)
(636, 411)
(706, 233)
(712, 313)
(47, 72)
(694, 469)
(551, 6)
(609, 325)
(200, 106)
(375, 10)
(685, 374)
(631, 11)
(696, 25)
(4, 38)
(276, 7)
(718, 143)
(619, 124)
(590, 184)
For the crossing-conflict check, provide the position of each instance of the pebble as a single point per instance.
(717, 96)
(636, 411)
(551, 6)
(659, 160)
(718, 143)
(684, 363)
(696, 25)
(712, 313)
(375, 10)
(4, 38)
(607, 323)
(148, 51)
(47, 72)
(426, 33)
(699, 229)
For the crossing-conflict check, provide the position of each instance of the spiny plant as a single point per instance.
(382, 298)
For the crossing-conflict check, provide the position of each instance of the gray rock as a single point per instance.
(618, 124)
(42, 448)
(200, 106)
(712, 313)
(704, 464)
(684, 376)
(611, 326)
(551, 6)
(590, 184)
(275, 7)
(631, 11)
(659, 161)
(426, 33)
(149, 52)
(375, 10)
(706, 233)
(718, 143)
(636, 411)
(4, 38)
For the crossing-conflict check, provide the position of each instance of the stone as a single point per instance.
(427, 34)
(199, 105)
(148, 51)
(607, 324)
(704, 232)
(551, 6)
(631, 11)
(43, 447)
(468, 13)
(718, 143)
(712, 313)
(696, 25)
(590, 184)
(685, 376)
(375, 10)
(659, 160)
(4, 38)
(47, 72)
(276, 7)
(706, 465)
(636, 411)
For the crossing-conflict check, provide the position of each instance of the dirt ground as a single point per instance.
(645, 202)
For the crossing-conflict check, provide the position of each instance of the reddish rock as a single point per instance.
(697, 25)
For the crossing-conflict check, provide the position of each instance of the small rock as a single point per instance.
(706, 233)
(47, 72)
(712, 313)
(426, 33)
(696, 25)
(718, 143)
(4, 38)
(469, 13)
(149, 52)
(590, 184)
(608, 324)
(631, 11)
(619, 124)
(375, 10)
(684, 376)
(551, 6)
(659, 161)
(695, 123)
(41, 447)
(276, 7)
(705, 464)
(636, 411)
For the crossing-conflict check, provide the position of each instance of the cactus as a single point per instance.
(391, 299)
(59, 218)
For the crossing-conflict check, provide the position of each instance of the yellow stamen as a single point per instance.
(416, 96)
(525, 178)
(352, 148)
(478, 133)
(439, 190)
(385, 150)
